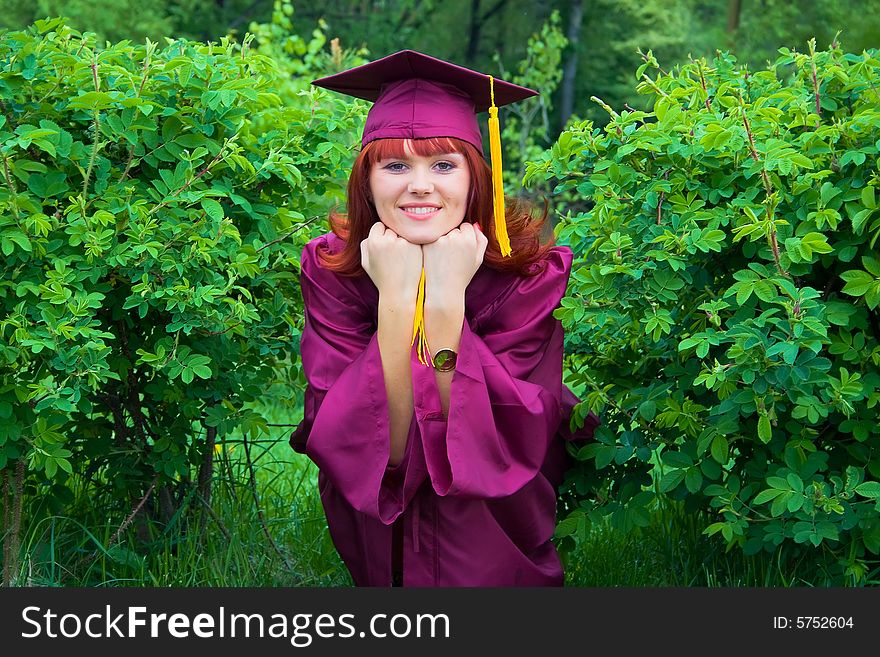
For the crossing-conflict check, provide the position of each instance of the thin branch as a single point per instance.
(812, 44)
(288, 233)
(12, 516)
(7, 530)
(150, 48)
(206, 473)
(10, 183)
(186, 185)
(256, 495)
(209, 509)
(498, 6)
(647, 61)
(660, 202)
(703, 84)
(226, 330)
(125, 523)
(96, 127)
(754, 151)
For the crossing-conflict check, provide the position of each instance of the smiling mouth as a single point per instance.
(420, 212)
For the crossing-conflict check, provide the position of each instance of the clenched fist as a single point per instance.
(393, 264)
(451, 262)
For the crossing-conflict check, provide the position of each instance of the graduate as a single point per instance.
(435, 409)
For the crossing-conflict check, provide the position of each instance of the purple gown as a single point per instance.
(475, 494)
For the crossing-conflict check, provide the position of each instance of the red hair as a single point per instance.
(523, 227)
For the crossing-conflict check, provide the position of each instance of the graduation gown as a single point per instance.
(474, 496)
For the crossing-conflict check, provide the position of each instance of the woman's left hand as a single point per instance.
(451, 262)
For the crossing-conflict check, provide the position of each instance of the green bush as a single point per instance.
(153, 205)
(723, 308)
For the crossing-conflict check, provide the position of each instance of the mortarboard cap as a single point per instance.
(416, 96)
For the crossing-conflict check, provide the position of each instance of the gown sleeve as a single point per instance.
(346, 428)
(506, 400)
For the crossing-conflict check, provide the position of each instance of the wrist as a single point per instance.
(445, 309)
(399, 295)
(443, 326)
(444, 298)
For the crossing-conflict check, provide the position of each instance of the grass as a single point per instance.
(74, 547)
(673, 551)
(71, 549)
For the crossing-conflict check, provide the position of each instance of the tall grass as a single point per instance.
(73, 548)
(673, 551)
(283, 541)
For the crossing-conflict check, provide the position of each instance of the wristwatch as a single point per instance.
(444, 360)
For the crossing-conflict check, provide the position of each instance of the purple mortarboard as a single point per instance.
(416, 96)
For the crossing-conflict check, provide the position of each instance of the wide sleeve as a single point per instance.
(346, 427)
(505, 403)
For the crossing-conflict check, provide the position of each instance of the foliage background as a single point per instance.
(608, 32)
(581, 54)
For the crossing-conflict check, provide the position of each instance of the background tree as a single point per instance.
(569, 76)
(153, 208)
(604, 35)
(723, 309)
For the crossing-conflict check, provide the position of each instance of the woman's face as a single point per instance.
(421, 198)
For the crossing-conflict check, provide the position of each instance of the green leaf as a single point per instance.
(872, 265)
(671, 480)
(212, 208)
(202, 371)
(604, 456)
(795, 502)
(720, 449)
(779, 482)
(871, 536)
(693, 479)
(858, 282)
(859, 219)
(780, 504)
(93, 100)
(648, 410)
(765, 431)
(827, 192)
(19, 238)
(588, 451)
(869, 489)
(816, 243)
(767, 495)
(677, 459)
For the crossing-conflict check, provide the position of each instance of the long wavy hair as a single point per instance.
(524, 224)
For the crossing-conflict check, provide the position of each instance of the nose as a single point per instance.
(420, 183)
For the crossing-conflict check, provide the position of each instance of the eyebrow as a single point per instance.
(408, 156)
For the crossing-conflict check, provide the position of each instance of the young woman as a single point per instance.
(435, 408)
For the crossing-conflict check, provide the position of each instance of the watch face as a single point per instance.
(444, 360)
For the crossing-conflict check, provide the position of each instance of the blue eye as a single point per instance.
(445, 166)
(395, 167)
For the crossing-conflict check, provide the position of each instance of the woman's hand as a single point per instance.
(451, 262)
(393, 264)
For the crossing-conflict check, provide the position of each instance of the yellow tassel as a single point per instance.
(497, 181)
(419, 325)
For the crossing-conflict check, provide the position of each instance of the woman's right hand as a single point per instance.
(393, 264)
